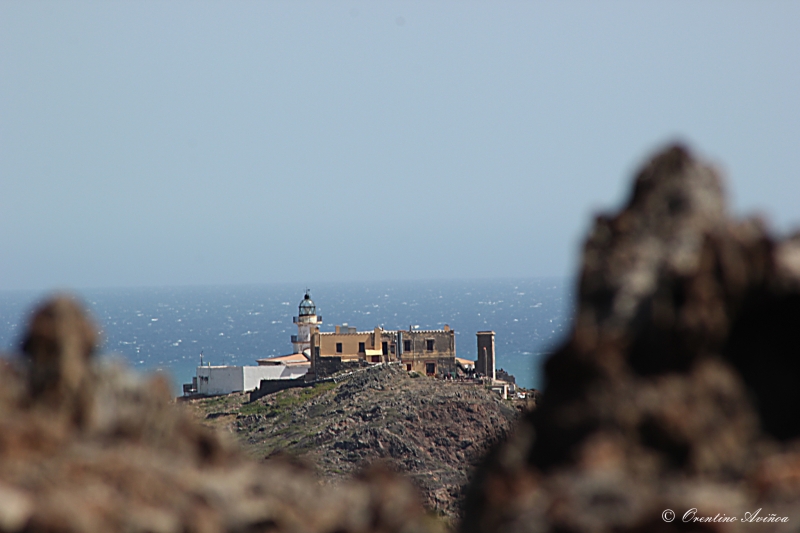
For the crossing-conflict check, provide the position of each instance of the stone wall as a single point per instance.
(327, 366)
(269, 386)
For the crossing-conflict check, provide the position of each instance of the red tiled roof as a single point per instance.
(291, 359)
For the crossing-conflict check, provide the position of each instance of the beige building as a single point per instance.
(430, 352)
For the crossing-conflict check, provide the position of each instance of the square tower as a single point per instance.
(485, 364)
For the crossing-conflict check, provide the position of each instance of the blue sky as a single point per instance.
(175, 143)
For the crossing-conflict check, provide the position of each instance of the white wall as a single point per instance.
(254, 374)
(219, 379)
(227, 379)
(295, 371)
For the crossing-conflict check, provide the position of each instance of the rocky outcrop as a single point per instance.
(432, 431)
(679, 386)
(86, 446)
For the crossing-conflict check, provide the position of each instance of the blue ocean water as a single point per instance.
(165, 329)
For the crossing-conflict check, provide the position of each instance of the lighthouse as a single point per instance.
(306, 320)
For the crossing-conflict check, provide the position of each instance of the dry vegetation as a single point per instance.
(432, 430)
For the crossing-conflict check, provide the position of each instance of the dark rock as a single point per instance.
(677, 387)
(59, 345)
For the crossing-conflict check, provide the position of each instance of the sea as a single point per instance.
(166, 329)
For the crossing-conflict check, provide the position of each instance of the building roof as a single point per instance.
(387, 331)
(465, 362)
(288, 360)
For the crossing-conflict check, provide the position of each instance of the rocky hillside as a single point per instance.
(432, 430)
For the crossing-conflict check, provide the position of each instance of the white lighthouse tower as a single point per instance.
(306, 319)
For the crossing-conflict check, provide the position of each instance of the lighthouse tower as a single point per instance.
(306, 320)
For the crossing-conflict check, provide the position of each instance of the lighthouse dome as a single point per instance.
(307, 307)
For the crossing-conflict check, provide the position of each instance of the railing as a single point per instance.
(296, 319)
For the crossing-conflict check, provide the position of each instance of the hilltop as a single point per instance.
(432, 430)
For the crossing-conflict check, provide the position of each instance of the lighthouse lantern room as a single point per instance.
(306, 320)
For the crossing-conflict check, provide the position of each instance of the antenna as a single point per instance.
(201, 357)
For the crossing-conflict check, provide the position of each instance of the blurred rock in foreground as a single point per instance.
(679, 387)
(89, 447)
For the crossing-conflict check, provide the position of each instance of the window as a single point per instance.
(385, 347)
(430, 368)
(406, 346)
(361, 347)
(376, 358)
(408, 368)
(429, 344)
(338, 347)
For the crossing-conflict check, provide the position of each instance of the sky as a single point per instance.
(210, 143)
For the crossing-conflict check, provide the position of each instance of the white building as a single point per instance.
(212, 380)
